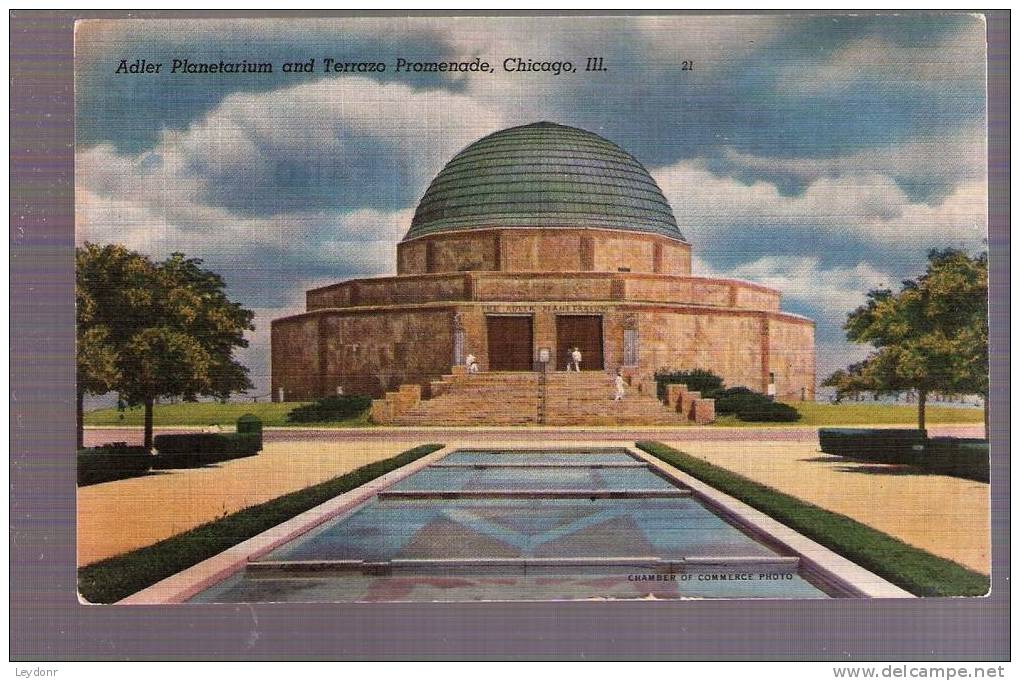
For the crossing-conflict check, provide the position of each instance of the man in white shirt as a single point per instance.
(472, 364)
(575, 359)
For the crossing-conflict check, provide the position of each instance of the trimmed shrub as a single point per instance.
(696, 380)
(765, 410)
(959, 457)
(881, 445)
(748, 405)
(734, 400)
(249, 424)
(112, 462)
(330, 409)
(200, 449)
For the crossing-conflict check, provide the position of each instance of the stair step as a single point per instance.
(513, 398)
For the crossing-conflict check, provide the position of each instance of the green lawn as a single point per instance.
(208, 413)
(919, 572)
(275, 414)
(115, 578)
(864, 413)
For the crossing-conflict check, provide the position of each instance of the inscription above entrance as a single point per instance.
(531, 309)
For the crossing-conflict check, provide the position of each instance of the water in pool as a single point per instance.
(521, 546)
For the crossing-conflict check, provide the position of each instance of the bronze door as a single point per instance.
(583, 333)
(510, 343)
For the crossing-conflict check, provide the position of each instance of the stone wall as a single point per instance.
(390, 291)
(295, 357)
(365, 352)
(372, 351)
(543, 286)
(729, 345)
(792, 359)
(545, 250)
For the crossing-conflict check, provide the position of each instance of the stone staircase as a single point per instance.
(496, 398)
(586, 398)
(529, 398)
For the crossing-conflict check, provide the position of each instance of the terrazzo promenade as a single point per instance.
(947, 516)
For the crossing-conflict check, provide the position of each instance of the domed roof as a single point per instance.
(544, 175)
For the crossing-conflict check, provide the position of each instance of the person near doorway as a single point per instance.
(621, 386)
(575, 359)
(472, 363)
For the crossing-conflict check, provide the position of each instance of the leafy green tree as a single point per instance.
(932, 336)
(113, 296)
(97, 371)
(170, 327)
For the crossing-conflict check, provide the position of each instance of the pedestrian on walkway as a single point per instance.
(621, 385)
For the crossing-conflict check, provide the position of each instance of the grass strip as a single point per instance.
(112, 579)
(915, 570)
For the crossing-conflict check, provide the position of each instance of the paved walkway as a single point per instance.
(946, 516)
(119, 516)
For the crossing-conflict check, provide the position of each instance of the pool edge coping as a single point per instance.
(821, 564)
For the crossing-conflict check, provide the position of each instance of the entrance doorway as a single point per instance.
(510, 343)
(583, 332)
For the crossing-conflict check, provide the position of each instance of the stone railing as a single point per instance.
(690, 403)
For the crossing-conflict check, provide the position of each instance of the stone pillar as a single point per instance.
(674, 395)
(687, 400)
(703, 411)
(382, 411)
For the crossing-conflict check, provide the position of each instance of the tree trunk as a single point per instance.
(987, 429)
(147, 437)
(81, 419)
(922, 397)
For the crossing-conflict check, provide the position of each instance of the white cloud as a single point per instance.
(154, 201)
(867, 207)
(831, 291)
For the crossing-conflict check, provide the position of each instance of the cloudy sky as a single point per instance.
(822, 156)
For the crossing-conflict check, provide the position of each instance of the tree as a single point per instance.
(172, 329)
(113, 296)
(97, 371)
(932, 336)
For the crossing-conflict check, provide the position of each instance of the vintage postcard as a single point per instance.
(541, 309)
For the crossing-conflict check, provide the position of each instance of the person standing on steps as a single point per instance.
(575, 360)
(621, 386)
(471, 363)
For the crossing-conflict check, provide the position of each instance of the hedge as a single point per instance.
(112, 462)
(200, 449)
(882, 445)
(959, 457)
(696, 380)
(330, 409)
(751, 406)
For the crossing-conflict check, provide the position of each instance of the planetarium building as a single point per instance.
(530, 242)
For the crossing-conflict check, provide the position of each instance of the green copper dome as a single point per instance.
(544, 175)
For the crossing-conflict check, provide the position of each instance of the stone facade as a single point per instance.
(370, 336)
